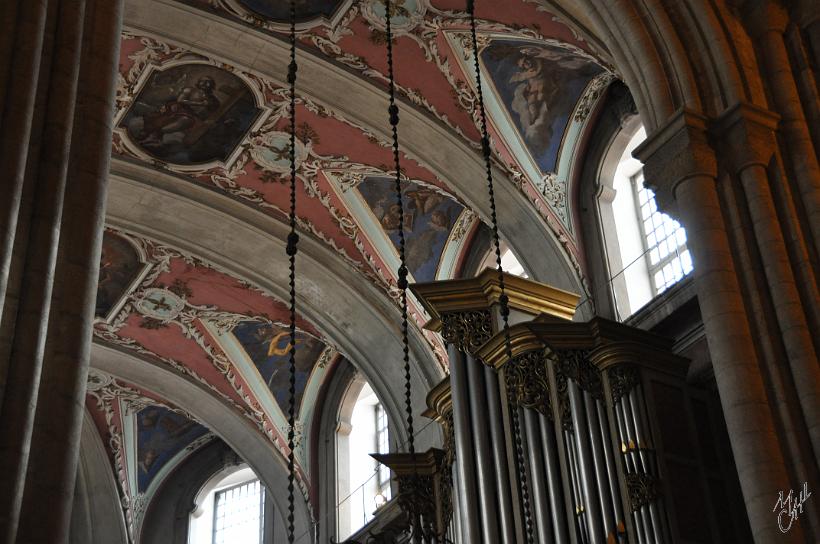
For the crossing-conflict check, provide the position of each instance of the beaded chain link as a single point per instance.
(293, 241)
(393, 110)
(503, 300)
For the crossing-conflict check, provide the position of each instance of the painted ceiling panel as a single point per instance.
(268, 346)
(429, 216)
(540, 86)
(191, 114)
(145, 436)
(161, 435)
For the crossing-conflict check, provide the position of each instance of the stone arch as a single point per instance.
(237, 431)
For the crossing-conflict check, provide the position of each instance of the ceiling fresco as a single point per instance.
(145, 436)
(268, 346)
(190, 114)
(526, 77)
(120, 267)
(225, 334)
(522, 47)
(176, 314)
(161, 435)
(428, 219)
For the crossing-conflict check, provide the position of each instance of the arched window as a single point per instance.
(509, 261)
(646, 249)
(230, 507)
(363, 485)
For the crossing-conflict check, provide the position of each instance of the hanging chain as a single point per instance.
(402, 271)
(293, 241)
(503, 300)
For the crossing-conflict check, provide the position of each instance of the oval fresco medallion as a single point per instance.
(406, 14)
(278, 11)
(271, 151)
(160, 304)
(191, 114)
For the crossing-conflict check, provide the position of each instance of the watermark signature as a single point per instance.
(790, 506)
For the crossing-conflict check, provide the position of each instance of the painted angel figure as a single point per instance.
(536, 94)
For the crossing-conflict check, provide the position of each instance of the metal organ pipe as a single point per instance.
(553, 475)
(539, 480)
(487, 497)
(465, 460)
(502, 474)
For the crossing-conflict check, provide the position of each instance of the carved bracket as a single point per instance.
(622, 379)
(467, 330)
(528, 375)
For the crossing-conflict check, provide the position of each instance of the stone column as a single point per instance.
(766, 21)
(21, 43)
(52, 233)
(753, 145)
(681, 164)
(39, 226)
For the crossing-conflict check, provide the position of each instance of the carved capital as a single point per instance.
(745, 135)
(467, 330)
(674, 153)
(528, 377)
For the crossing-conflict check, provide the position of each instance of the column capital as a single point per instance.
(745, 135)
(674, 153)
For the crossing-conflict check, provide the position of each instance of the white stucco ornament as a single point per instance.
(271, 151)
(160, 304)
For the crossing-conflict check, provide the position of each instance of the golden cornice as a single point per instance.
(610, 343)
(483, 291)
(439, 401)
(615, 353)
(522, 339)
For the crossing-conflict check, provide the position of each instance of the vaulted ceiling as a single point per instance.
(194, 270)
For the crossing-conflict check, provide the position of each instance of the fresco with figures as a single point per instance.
(524, 76)
(191, 114)
(119, 266)
(161, 434)
(428, 218)
(279, 11)
(268, 346)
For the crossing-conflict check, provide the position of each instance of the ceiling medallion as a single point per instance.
(406, 14)
(271, 151)
(98, 380)
(160, 304)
